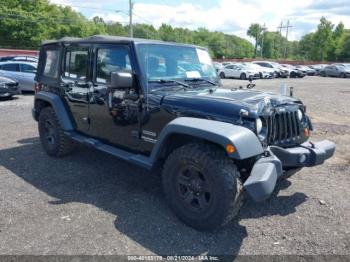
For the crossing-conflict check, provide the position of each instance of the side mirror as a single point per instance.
(121, 80)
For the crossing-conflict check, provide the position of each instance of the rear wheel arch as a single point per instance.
(39, 105)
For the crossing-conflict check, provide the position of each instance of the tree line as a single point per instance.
(328, 43)
(25, 24)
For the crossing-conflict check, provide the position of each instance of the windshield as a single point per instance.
(171, 62)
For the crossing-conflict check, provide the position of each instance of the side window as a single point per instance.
(25, 68)
(51, 63)
(76, 63)
(10, 67)
(110, 60)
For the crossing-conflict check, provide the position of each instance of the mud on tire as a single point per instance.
(202, 186)
(53, 139)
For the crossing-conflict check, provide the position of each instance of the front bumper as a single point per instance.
(263, 177)
(6, 92)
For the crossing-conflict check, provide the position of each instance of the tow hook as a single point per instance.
(267, 153)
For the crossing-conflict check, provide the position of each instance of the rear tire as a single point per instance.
(53, 139)
(243, 76)
(202, 186)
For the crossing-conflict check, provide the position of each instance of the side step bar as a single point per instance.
(140, 160)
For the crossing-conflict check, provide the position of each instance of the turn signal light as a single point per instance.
(36, 87)
(230, 149)
(306, 132)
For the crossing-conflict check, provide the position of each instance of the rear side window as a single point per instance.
(51, 63)
(76, 63)
(27, 68)
(10, 67)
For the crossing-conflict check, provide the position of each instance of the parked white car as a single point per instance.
(240, 71)
(218, 66)
(22, 72)
(279, 71)
(265, 73)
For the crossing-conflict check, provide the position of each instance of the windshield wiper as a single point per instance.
(164, 81)
(200, 79)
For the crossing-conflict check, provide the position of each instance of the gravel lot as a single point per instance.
(91, 203)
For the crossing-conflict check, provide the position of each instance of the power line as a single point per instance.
(91, 8)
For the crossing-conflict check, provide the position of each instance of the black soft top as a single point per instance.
(112, 39)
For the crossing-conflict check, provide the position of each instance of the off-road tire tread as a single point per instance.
(208, 154)
(65, 144)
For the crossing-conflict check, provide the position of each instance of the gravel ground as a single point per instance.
(91, 203)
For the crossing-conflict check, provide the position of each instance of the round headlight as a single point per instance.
(300, 115)
(259, 125)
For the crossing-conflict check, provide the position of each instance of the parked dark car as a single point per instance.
(306, 70)
(8, 87)
(318, 68)
(293, 71)
(129, 98)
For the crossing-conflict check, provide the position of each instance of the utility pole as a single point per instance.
(262, 41)
(280, 43)
(280, 32)
(287, 31)
(131, 6)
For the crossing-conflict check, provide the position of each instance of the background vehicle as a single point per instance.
(293, 71)
(218, 66)
(279, 71)
(306, 70)
(22, 72)
(8, 87)
(265, 73)
(30, 59)
(133, 101)
(318, 68)
(227, 63)
(241, 71)
(335, 71)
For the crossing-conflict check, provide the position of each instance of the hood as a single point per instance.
(225, 102)
(6, 80)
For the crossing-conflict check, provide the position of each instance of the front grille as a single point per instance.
(283, 127)
(12, 85)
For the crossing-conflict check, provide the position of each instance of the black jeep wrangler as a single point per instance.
(160, 105)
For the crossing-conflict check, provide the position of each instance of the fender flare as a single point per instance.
(246, 143)
(58, 106)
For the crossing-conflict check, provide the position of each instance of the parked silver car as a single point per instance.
(336, 71)
(22, 72)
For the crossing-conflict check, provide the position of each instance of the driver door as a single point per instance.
(113, 112)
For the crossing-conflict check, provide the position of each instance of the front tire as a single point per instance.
(202, 186)
(222, 75)
(53, 139)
